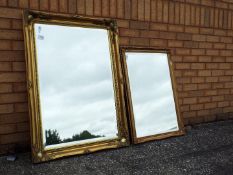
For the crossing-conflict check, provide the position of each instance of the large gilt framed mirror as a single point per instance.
(151, 94)
(76, 98)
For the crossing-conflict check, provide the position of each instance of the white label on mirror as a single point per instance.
(76, 86)
(152, 95)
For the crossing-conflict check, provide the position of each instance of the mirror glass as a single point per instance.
(75, 84)
(152, 95)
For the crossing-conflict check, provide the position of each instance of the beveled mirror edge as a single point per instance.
(128, 99)
(39, 154)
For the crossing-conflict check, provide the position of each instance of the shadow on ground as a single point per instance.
(206, 149)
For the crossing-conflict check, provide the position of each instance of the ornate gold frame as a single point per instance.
(129, 104)
(39, 153)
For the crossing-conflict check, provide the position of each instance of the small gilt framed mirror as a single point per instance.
(76, 98)
(151, 94)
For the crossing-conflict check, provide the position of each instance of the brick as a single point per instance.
(13, 3)
(97, 8)
(218, 59)
(12, 98)
(139, 25)
(7, 129)
(205, 45)
(23, 3)
(197, 66)
(189, 100)
(5, 66)
(198, 79)
(159, 26)
(167, 35)
(224, 66)
(44, 5)
(120, 8)
(225, 53)
(53, 5)
(219, 46)
(12, 77)
(17, 24)
(220, 32)
(5, 88)
(22, 127)
(198, 51)
(165, 11)
(34, 4)
(211, 79)
(204, 59)
(182, 51)
(223, 104)
(72, 6)
(212, 52)
(175, 28)
(10, 13)
(12, 56)
(189, 73)
(194, 30)
(190, 59)
(139, 41)
(158, 42)
(184, 36)
(171, 7)
(128, 9)
(3, 3)
(182, 14)
(196, 107)
(149, 34)
(11, 35)
(141, 10)
(189, 114)
(6, 108)
(175, 43)
(19, 66)
(204, 73)
(190, 87)
(17, 45)
(218, 98)
(105, 8)
(182, 66)
(13, 117)
(21, 107)
(14, 138)
(204, 86)
(80, 6)
(212, 66)
(19, 87)
(210, 105)
(197, 37)
(63, 6)
(5, 23)
(226, 39)
(129, 32)
(212, 38)
(124, 41)
(5, 45)
(134, 9)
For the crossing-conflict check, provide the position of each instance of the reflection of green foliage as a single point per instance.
(52, 137)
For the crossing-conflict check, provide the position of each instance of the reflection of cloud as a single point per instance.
(76, 81)
(150, 83)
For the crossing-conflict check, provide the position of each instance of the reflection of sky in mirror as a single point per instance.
(152, 95)
(76, 88)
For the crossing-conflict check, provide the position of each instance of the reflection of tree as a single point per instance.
(52, 137)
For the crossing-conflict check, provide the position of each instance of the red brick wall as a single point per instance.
(198, 32)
